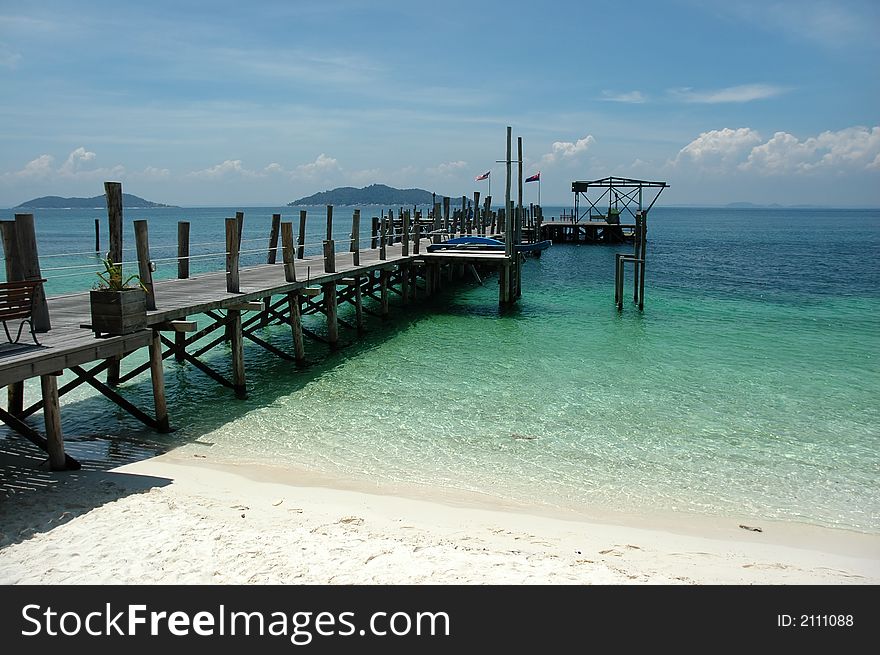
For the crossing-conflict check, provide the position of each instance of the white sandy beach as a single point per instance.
(181, 519)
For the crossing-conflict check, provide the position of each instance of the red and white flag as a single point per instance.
(534, 178)
(484, 176)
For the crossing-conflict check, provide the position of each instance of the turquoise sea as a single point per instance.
(749, 386)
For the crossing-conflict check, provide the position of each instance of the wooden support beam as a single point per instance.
(355, 247)
(90, 379)
(293, 302)
(52, 419)
(374, 232)
(204, 368)
(267, 346)
(287, 252)
(176, 326)
(383, 237)
(26, 238)
(145, 264)
(301, 237)
(157, 378)
(329, 256)
(252, 306)
(329, 223)
(70, 464)
(235, 338)
(383, 291)
(359, 305)
(404, 244)
(232, 254)
(330, 309)
(182, 250)
(272, 254)
(15, 398)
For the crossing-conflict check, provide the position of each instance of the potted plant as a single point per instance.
(117, 305)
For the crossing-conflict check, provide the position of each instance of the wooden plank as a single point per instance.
(244, 306)
(176, 326)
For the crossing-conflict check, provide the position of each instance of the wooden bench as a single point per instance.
(17, 303)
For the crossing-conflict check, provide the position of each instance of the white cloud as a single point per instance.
(631, 97)
(75, 160)
(366, 176)
(853, 148)
(274, 168)
(567, 149)
(152, 172)
(447, 168)
(228, 167)
(39, 167)
(742, 93)
(322, 164)
(718, 147)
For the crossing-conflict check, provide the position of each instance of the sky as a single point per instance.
(259, 103)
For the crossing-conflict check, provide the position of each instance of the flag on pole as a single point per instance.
(484, 176)
(534, 178)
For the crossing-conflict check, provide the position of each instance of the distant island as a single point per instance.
(98, 202)
(375, 194)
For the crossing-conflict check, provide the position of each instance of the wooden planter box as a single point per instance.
(118, 312)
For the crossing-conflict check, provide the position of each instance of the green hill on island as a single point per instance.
(97, 202)
(375, 194)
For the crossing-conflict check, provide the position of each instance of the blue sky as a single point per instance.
(233, 103)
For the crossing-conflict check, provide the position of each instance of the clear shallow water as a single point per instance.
(748, 387)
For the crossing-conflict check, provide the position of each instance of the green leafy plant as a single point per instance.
(111, 278)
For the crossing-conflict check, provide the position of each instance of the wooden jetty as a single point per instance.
(233, 304)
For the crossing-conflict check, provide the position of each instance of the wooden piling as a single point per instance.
(237, 343)
(329, 256)
(329, 223)
(446, 215)
(355, 248)
(330, 308)
(145, 267)
(294, 302)
(232, 253)
(113, 196)
(465, 225)
(374, 232)
(301, 238)
(157, 377)
(643, 255)
(287, 252)
(52, 420)
(272, 255)
(359, 303)
(182, 250)
(417, 236)
(383, 292)
(97, 235)
(239, 218)
(383, 237)
(404, 244)
(478, 222)
(15, 399)
(29, 265)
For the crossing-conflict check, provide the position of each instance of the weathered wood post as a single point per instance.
(465, 225)
(478, 222)
(404, 244)
(417, 236)
(97, 235)
(239, 217)
(52, 420)
(182, 250)
(637, 235)
(157, 377)
(435, 228)
(237, 343)
(383, 292)
(355, 247)
(330, 307)
(301, 238)
(12, 260)
(272, 255)
(113, 196)
(374, 232)
(29, 265)
(294, 302)
(383, 234)
(232, 249)
(644, 257)
(446, 215)
(145, 264)
(329, 244)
